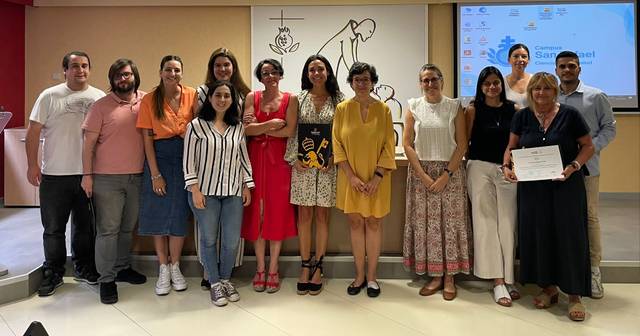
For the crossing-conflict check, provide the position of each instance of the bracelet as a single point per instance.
(448, 171)
(153, 178)
(575, 164)
(377, 173)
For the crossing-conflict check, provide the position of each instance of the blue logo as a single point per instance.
(482, 10)
(501, 56)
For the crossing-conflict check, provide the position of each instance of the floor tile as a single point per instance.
(188, 313)
(330, 313)
(4, 328)
(73, 310)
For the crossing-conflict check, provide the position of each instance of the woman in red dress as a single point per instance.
(270, 118)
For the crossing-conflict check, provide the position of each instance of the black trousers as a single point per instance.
(61, 197)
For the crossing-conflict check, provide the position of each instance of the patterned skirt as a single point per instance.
(437, 231)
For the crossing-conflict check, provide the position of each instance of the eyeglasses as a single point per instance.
(429, 81)
(273, 73)
(124, 75)
(570, 66)
(362, 80)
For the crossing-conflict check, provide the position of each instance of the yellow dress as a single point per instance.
(365, 145)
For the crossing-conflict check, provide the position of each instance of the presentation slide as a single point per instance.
(602, 34)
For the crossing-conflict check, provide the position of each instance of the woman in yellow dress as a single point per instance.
(363, 149)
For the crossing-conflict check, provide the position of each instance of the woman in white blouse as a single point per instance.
(437, 236)
(217, 174)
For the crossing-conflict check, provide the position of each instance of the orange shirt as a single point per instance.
(174, 123)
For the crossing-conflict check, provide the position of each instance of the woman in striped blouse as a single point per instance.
(217, 174)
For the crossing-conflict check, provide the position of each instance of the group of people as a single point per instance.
(231, 156)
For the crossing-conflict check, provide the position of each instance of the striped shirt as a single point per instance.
(217, 162)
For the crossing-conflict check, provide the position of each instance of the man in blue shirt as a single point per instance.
(596, 110)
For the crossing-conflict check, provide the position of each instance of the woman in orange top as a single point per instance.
(164, 115)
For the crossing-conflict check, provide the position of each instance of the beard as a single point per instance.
(123, 88)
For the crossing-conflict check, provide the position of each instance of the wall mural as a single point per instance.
(392, 38)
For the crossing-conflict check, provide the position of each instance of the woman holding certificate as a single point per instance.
(364, 150)
(270, 118)
(437, 235)
(313, 177)
(552, 214)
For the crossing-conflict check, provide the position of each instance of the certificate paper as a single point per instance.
(539, 163)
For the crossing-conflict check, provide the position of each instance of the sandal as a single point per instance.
(577, 311)
(501, 295)
(259, 282)
(513, 292)
(273, 283)
(544, 300)
(314, 288)
(302, 288)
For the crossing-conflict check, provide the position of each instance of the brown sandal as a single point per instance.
(544, 300)
(577, 311)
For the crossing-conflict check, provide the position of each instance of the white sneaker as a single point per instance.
(163, 285)
(177, 279)
(597, 290)
(230, 291)
(218, 296)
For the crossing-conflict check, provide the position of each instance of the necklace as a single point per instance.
(543, 118)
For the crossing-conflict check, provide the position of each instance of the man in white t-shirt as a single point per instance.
(57, 117)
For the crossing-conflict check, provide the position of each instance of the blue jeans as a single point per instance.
(224, 215)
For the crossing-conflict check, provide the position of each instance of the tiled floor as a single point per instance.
(75, 310)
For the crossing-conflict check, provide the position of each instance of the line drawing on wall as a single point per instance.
(346, 42)
(284, 41)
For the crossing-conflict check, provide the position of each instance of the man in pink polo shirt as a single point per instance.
(112, 160)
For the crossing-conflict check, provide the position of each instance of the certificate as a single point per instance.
(539, 163)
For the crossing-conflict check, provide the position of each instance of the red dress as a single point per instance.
(272, 177)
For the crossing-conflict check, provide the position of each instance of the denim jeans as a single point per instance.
(221, 215)
(60, 197)
(117, 200)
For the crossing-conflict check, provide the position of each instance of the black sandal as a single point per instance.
(315, 289)
(303, 287)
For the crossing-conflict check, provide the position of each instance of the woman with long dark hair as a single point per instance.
(493, 199)
(164, 115)
(222, 65)
(313, 189)
(217, 174)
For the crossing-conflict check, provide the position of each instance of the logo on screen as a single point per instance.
(483, 40)
(500, 56)
(467, 68)
(467, 52)
(467, 39)
(482, 10)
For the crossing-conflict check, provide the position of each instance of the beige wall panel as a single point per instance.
(620, 160)
(144, 34)
(441, 43)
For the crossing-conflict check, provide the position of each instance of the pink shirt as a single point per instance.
(120, 149)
